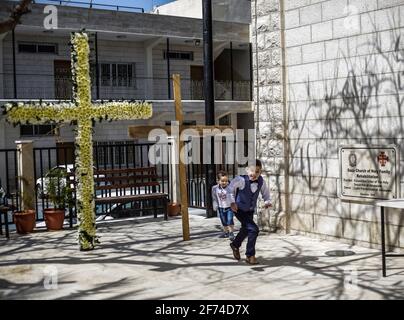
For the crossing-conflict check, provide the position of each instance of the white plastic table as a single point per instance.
(394, 203)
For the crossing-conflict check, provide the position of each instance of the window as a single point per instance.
(105, 75)
(118, 75)
(26, 47)
(179, 55)
(122, 75)
(37, 130)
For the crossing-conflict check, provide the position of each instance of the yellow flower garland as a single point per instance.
(84, 112)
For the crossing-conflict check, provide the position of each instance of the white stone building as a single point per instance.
(129, 49)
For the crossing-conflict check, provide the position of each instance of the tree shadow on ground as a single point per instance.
(170, 254)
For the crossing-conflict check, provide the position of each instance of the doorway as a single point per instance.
(197, 83)
(63, 81)
(65, 153)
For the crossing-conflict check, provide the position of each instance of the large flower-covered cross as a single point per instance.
(84, 112)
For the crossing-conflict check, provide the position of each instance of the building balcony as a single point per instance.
(49, 87)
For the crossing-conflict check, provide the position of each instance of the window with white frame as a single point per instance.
(35, 47)
(118, 75)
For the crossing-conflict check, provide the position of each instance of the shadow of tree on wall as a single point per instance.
(360, 102)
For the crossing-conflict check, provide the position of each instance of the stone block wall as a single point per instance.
(266, 41)
(344, 73)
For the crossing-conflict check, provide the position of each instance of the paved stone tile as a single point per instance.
(147, 259)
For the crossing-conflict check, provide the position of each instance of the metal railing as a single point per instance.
(224, 90)
(107, 155)
(196, 181)
(89, 5)
(9, 178)
(46, 86)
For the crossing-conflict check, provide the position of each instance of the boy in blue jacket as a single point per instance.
(244, 195)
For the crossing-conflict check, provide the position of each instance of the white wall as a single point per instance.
(182, 67)
(222, 10)
(326, 43)
(35, 72)
(331, 41)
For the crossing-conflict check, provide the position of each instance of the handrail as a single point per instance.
(90, 5)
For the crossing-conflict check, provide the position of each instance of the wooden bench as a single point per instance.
(129, 185)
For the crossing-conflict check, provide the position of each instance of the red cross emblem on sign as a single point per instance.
(382, 158)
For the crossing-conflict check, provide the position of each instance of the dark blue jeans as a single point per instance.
(226, 216)
(248, 229)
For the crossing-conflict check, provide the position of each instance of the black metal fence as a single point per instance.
(196, 181)
(107, 155)
(45, 160)
(9, 183)
(9, 176)
(128, 86)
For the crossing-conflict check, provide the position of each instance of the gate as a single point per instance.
(9, 176)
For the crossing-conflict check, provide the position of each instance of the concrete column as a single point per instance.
(233, 120)
(148, 53)
(25, 162)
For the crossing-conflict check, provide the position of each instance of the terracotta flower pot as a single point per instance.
(24, 221)
(54, 219)
(173, 209)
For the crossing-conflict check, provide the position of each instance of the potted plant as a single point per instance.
(58, 191)
(173, 209)
(25, 219)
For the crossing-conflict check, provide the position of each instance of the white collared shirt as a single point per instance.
(221, 197)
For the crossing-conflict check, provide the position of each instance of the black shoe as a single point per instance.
(236, 251)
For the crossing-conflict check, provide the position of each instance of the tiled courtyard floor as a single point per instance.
(147, 259)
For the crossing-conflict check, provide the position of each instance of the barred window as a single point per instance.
(118, 74)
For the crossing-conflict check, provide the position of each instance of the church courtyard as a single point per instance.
(145, 258)
(286, 114)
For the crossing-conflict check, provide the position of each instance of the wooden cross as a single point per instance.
(143, 132)
(84, 112)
